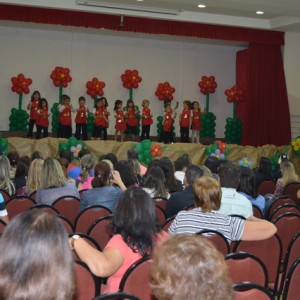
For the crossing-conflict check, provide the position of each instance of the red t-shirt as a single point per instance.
(99, 117)
(33, 109)
(168, 122)
(81, 115)
(131, 117)
(146, 116)
(65, 116)
(196, 120)
(120, 121)
(185, 118)
(42, 117)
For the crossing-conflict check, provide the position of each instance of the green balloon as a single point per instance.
(72, 141)
(141, 157)
(146, 144)
(138, 147)
(4, 144)
(159, 118)
(148, 160)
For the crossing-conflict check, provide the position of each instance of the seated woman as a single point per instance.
(36, 259)
(34, 176)
(22, 172)
(264, 171)
(135, 232)
(248, 188)
(205, 215)
(104, 191)
(54, 184)
(87, 164)
(180, 268)
(5, 183)
(125, 168)
(155, 183)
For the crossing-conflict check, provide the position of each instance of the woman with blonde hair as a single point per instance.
(54, 183)
(5, 182)
(205, 215)
(36, 260)
(34, 175)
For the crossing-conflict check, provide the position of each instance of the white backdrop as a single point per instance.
(35, 52)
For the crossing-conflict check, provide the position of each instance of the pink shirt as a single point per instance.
(86, 185)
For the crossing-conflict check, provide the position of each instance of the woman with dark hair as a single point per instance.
(104, 191)
(13, 157)
(155, 183)
(173, 185)
(264, 171)
(125, 168)
(248, 189)
(36, 260)
(135, 232)
(22, 172)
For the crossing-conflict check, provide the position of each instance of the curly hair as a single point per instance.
(189, 267)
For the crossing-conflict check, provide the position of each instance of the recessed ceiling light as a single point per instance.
(259, 12)
(139, 0)
(201, 5)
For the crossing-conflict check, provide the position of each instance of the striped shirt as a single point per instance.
(195, 220)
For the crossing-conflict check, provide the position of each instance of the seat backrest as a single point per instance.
(68, 206)
(278, 202)
(167, 224)
(136, 280)
(47, 208)
(251, 291)
(21, 190)
(2, 226)
(88, 216)
(33, 195)
(87, 285)
(270, 258)
(67, 223)
(267, 187)
(101, 230)
(5, 195)
(217, 239)
(117, 296)
(292, 282)
(160, 215)
(280, 210)
(257, 212)
(161, 202)
(291, 189)
(287, 226)
(244, 266)
(18, 204)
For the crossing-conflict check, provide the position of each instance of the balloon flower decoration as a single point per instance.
(94, 88)
(18, 119)
(131, 80)
(218, 149)
(3, 145)
(245, 162)
(61, 78)
(296, 145)
(156, 150)
(147, 151)
(164, 92)
(72, 145)
(208, 86)
(233, 128)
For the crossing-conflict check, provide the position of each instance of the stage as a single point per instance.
(49, 147)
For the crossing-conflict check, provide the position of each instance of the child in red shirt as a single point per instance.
(185, 122)
(168, 122)
(64, 118)
(131, 119)
(42, 121)
(120, 120)
(146, 119)
(100, 119)
(196, 122)
(33, 106)
(81, 119)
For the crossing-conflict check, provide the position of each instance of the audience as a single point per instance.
(22, 172)
(185, 198)
(36, 155)
(3, 211)
(54, 184)
(110, 156)
(264, 171)
(248, 188)
(13, 157)
(125, 168)
(155, 183)
(140, 180)
(67, 154)
(75, 172)
(132, 154)
(206, 215)
(104, 191)
(5, 183)
(189, 267)
(87, 164)
(180, 165)
(135, 232)
(34, 179)
(206, 171)
(36, 260)
(213, 163)
(232, 201)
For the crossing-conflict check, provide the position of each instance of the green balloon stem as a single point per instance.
(20, 101)
(207, 102)
(131, 93)
(234, 109)
(60, 93)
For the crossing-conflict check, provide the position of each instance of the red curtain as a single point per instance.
(135, 24)
(265, 112)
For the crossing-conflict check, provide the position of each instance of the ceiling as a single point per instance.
(282, 15)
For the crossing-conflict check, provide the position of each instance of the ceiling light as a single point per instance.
(259, 12)
(139, 0)
(201, 5)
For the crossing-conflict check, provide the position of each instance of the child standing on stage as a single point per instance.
(131, 119)
(100, 120)
(167, 125)
(81, 119)
(106, 113)
(120, 120)
(64, 118)
(185, 122)
(42, 121)
(33, 106)
(146, 119)
(196, 122)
